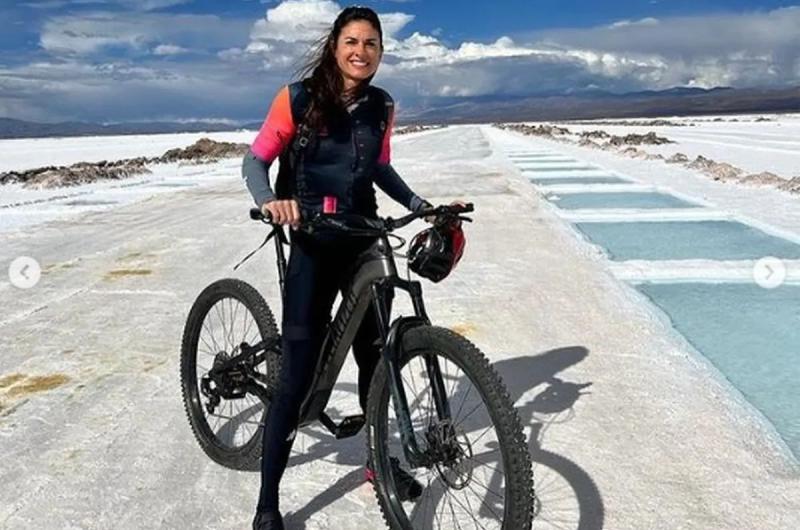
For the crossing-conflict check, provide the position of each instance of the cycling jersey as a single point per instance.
(342, 160)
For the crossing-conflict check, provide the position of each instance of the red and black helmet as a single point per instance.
(435, 251)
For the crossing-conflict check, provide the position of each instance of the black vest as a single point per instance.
(338, 161)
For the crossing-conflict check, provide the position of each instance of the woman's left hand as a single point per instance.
(457, 202)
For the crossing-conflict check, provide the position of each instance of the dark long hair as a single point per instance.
(324, 77)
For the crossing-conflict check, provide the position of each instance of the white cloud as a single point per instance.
(296, 21)
(417, 46)
(113, 91)
(732, 49)
(95, 33)
(237, 65)
(392, 23)
(649, 21)
(169, 49)
(149, 5)
(626, 55)
(137, 5)
(422, 65)
(285, 34)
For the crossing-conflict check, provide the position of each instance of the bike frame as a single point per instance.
(373, 283)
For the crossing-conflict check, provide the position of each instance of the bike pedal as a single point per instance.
(349, 426)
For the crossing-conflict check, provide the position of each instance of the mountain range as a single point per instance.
(678, 101)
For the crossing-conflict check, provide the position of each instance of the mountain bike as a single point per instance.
(434, 402)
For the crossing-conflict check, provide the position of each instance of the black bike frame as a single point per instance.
(373, 283)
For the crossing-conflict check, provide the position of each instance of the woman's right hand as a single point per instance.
(282, 212)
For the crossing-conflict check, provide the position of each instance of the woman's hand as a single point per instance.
(282, 212)
(432, 218)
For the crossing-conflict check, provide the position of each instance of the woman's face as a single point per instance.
(358, 52)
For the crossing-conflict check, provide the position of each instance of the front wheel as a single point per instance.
(226, 414)
(484, 478)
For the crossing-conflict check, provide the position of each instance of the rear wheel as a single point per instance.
(226, 414)
(482, 477)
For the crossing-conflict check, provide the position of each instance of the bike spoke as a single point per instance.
(221, 320)
(463, 400)
(487, 464)
(233, 320)
(476, 481)
(413, 383)
(454, 381)
(203, 340)
(468, 415)
(445, 488)
(213, 339)
(475, 441)
(230, 321)
(246, 332)
(483, 502)
(453, 513)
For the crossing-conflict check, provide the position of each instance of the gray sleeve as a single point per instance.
(255, 173)
(395, 187)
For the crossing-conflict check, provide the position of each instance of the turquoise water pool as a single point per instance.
(548, 159)
(675, 240)
(752, 335)
(575, 201)
(546, 169)
(544, 181)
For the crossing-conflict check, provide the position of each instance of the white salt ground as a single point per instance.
(628, 428)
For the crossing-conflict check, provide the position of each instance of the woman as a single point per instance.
(332, 132)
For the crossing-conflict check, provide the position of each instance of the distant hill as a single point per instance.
(678, 101)
(590, 104)
(10, 128)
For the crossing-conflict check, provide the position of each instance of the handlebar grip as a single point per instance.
(257, 215)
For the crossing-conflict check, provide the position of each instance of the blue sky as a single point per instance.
(121, 60)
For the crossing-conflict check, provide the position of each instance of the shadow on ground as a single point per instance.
(567, 496)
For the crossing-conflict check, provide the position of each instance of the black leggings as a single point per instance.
(316, 271)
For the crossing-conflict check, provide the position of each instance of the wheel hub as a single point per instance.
(452, 454)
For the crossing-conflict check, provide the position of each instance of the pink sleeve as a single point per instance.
(277, 130)
(386, 148)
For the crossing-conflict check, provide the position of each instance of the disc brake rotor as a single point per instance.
(453, 454)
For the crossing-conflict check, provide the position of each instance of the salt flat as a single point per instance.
(628, 427)
(754, 143)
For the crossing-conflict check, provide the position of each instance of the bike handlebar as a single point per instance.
(359, 225)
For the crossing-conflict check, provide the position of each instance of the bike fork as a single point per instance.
(392, 340)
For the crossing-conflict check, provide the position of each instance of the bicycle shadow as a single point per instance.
(583, 509)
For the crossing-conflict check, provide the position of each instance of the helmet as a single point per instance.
(435, 251)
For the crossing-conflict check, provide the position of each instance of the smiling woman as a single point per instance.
(331, 131)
